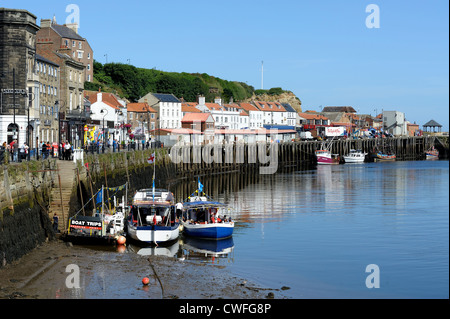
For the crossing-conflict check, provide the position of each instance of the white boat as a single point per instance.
(355, 156)
(152, 218)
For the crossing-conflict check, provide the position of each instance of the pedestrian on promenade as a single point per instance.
(15, 150)
(44, 150)
(49, 149)
(67, 151)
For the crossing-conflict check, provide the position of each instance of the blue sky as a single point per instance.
(320, 50)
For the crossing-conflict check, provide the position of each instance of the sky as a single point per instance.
(324, 51)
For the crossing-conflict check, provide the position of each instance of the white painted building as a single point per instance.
(168, 107)
(224, 118)
(255, 116)
(394, 122)
(109, 117)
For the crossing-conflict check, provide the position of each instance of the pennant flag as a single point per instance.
(151, 159)
(153, 189)
(200, 186)
(98, 199)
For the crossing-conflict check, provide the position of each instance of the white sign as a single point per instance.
(335, 131)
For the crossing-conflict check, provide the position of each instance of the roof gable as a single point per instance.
(66, 32)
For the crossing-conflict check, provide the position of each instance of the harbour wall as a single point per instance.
(25, 188)
(24, 197)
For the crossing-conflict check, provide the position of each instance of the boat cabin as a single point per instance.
(204, 212)
(147, 215)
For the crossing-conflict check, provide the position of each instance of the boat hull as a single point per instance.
(354, 159)
(379, 157)
(432, 155)
(153, 234)
(323, 160)
(209, 231)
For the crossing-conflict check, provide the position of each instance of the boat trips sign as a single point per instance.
(84, 222)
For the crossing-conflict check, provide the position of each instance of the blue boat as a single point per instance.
(204, 218)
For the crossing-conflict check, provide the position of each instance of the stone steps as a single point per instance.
(67, 177)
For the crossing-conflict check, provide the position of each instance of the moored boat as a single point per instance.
(325, 157)
(382, 153)
(432, 154)
(355, 156)
(382, 157)
(204, 218)
(152, 217)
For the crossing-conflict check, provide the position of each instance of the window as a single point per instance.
(80, 55)
(89, 56)
(89, 67)
(80, 45)
(73, 44)
(66, 43)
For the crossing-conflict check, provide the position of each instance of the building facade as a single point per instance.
(65, 38)
(168, 108)
(142, 119)
(47, 123)
(18, 30)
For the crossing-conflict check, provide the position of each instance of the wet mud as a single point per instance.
(60, 270)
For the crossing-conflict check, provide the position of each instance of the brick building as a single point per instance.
(65, 39)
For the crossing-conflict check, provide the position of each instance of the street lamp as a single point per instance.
(104, 131)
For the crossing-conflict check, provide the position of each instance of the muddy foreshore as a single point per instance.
(50, 272)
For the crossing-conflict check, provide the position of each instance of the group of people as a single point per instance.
(17, 153)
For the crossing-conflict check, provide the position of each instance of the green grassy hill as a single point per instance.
(132, 83)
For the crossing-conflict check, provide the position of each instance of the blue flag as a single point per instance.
(200, 186)
(98, 199)
(153, 189)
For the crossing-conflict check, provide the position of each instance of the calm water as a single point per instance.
(316, 231)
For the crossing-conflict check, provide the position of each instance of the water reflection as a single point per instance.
(166, 250)
(209, 251)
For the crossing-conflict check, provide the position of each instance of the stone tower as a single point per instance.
(18, 30)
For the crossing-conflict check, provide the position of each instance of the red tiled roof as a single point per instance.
(214, 107)
(189, 108)
(270, 106)
(140, 107)
(106, 97)
(196, 117)
(249, 107)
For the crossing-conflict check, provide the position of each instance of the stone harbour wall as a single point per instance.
(24, 200)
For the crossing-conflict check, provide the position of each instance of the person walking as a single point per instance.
(15, 149)
(67, 149)
(55, 223)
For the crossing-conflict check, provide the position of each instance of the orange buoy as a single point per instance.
(145, 281)
(121, 240)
